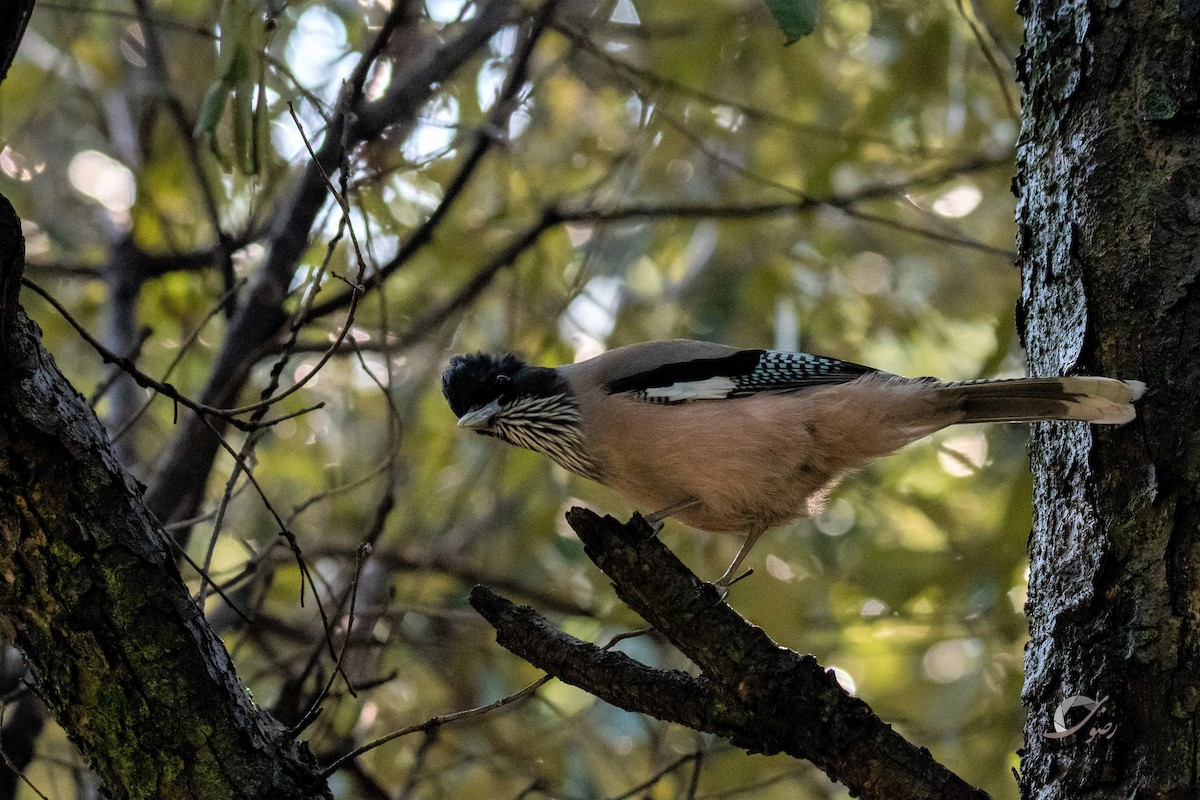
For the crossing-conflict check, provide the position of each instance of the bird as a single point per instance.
(734, 440)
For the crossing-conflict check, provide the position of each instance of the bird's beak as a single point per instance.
(480, 419)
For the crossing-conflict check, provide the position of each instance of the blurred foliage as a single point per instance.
(891, 125)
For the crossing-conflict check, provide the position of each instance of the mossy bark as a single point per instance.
(90, 594)
(1109, 235)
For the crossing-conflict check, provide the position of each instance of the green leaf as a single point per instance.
(212, 108)
(795, 18)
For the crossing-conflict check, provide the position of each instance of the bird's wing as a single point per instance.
(740, 374)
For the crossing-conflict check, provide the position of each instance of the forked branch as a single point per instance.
(757, 694)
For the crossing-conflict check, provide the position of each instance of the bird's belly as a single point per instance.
(727, 501)
(744, 471)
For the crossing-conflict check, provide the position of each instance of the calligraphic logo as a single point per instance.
(1096, 727)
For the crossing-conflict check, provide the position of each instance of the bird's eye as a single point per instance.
(502, 380)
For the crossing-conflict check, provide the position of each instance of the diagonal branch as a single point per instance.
(505, 104)
(554, 215)
(90, 594)
(611, 675)
(177, 486)
(759, 695)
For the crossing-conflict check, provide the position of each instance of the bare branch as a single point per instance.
(434, 723)
(485, 137)
(554, 215)
(147, 382)
(175, 489)
(757, 694)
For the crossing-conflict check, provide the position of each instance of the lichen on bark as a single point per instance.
(90, 594)
(1109, 201)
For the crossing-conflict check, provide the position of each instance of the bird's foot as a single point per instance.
(724, 583)
(653, 522)
(731, 575)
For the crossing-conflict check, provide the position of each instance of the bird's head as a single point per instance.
(531, 407)
(488, 392)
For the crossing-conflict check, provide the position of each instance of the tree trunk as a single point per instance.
(90, 594)
(1109, 234)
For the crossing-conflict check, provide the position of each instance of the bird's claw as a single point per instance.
(654, 522)
(724, 583)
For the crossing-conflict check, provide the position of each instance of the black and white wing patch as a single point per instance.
(742, 374)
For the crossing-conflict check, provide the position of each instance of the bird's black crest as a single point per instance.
(473, 381)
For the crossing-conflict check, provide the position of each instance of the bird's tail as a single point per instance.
(1101, 401)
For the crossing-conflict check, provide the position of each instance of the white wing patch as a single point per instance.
(717, 388)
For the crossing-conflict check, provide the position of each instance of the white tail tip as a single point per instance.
(1103, 401)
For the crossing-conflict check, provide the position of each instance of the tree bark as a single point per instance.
(90, 594)
(1109, 235)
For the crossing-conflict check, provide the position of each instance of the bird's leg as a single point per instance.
(725, 581)
(655, 520)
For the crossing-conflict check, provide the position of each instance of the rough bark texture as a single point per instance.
(1109, 234)
(759, 695)
(90, 594)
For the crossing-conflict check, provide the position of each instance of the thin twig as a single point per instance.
(663, 83)
(502, 109)
(192, 338)
(1004, 79)
(268, 396)
(200, 571)
(144, 380)
(456, 716)
(555, 215)
(435, 722)
(414, 772)
(846, 206)
(20, 773)
(314, 709)
(648, 783)
(111, 379)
